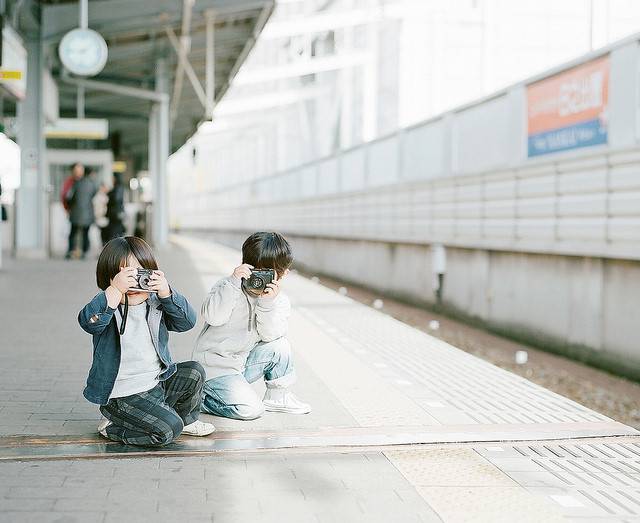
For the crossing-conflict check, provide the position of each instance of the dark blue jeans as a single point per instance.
(75, 229)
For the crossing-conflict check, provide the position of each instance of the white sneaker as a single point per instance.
(282, 400)
(102, 426)
(198, 428)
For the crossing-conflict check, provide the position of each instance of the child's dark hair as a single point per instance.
(115, 254)
(267, 250)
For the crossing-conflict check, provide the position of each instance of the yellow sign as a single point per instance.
(10, 75)
(119, 167)
(78, 128)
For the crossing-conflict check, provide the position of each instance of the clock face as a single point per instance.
(83, 52)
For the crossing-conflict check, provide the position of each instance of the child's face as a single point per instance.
(135, 297)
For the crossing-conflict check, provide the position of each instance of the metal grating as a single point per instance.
(587, 479)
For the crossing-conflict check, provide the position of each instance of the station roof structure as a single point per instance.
(137, 32)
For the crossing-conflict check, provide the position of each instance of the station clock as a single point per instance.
(83, 52)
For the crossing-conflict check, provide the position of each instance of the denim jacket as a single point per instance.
(172, 313)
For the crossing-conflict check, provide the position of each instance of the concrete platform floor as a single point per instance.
(405, 427)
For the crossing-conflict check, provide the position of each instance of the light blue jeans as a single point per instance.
(232, 396)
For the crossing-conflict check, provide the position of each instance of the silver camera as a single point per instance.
(143, 278)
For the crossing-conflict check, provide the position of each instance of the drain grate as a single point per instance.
(598, 478)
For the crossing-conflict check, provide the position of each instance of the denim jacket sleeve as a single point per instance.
(179, 316)
(96, 315)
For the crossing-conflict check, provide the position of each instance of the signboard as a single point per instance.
(119, 166)
(78, 128)
(14, 62)
(10, 75)
(569, 110)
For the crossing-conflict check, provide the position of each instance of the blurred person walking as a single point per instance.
(79, 200)
(115, 209)
(100, 210)
(3, 209)
(77, 170)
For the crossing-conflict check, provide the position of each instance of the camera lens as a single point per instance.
(256, 283)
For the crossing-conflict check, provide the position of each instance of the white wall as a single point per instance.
(462, 179)
(481, 136)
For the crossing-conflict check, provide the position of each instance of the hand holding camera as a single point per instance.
(139, 279)
(262, 282)
(125, 279)
(272, 289)
(243, 271)
(158, 283)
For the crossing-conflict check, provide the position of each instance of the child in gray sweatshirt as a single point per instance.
(244, 337)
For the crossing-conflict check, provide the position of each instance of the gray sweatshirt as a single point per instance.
(234, 326)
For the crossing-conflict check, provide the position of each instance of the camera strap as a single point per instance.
(124, 314)
(246, 295)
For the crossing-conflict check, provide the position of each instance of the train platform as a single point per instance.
(404, 427)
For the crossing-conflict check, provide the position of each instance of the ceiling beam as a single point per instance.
(264, 16)
(124, 51)
(133, 92)
(301, 68)
(191, 74)
(183, 51)
(117, 16)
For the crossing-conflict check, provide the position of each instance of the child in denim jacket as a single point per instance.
(145, 398)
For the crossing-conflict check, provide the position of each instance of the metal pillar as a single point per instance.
(370, 87)
(80, 102)
(348, 99)
(1, 117)
(84, 14)
(210, 64)
(84, 24)
(183, 52)
(159, 155)
(31, 199)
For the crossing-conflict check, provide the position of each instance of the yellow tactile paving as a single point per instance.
(460, 485)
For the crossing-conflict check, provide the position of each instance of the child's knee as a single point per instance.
(197, 372)
(280, 347)
(200, 369)
(242, 411)
(167, 430)
(248, 412)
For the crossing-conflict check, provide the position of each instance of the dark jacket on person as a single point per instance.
(80, 198)
(115, 205)
(3, 210)
(173, 313)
